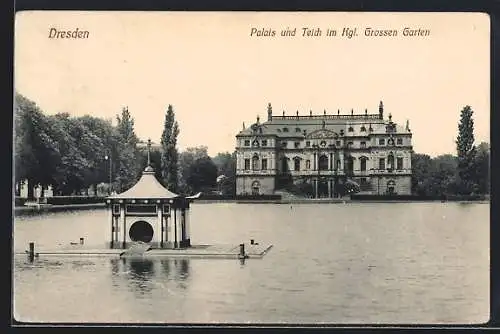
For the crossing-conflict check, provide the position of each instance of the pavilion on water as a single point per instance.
(150, 213)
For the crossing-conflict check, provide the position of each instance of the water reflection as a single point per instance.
(144, 275)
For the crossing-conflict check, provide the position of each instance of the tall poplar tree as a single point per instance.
(128, 167)
(466, 151)
(170, 155)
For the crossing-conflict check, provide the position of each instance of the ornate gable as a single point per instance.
(321, 133)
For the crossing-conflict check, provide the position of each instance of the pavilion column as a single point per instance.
(111, 227)
(188, 228)
(159, 227)
(124, 224)
(175, 228)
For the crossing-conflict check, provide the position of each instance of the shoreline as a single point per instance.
(24, 210)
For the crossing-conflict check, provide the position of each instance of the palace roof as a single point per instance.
(301, 126)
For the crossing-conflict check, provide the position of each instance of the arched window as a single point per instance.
(284, 165)
(349, 164)
(255, 162)
(255, 188)
(323, 162)
(308, 164)
(362, 163)
(391, 187)
(390, 161)
(296, 164)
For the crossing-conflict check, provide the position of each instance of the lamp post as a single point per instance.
(108, 157)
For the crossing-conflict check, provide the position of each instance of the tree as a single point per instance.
(202, 175)
(128, 167)
(35, 149)
(482, 167)
(169, 158)
(226, 165)
(186, 159)
(466, 151)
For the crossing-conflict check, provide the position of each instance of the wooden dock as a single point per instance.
(255, 251)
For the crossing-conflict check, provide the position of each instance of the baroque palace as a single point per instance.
(321, 155)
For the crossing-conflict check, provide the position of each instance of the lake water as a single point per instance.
(354, 263)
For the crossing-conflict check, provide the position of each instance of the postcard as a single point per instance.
(251, 168)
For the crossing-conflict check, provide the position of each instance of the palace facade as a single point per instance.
(323, 155)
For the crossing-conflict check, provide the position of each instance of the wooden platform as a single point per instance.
(196, 251)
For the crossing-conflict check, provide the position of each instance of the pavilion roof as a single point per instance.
(147, 187)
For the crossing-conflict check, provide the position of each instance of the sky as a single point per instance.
(217, 75)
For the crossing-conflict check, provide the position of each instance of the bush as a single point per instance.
(67, 200)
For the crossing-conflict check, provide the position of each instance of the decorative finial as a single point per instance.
(269, 112)
(258, 119)
(324, 112)
(243, 125)
(407, 125)
(283, 113)
(338, 111)
(310, 112)
(352, 111)
(381, 110)
(390, 117)
(149, 152)
(366, 111)
(297, 113)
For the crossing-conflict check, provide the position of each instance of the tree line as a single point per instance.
(78, 154)
(467, 173)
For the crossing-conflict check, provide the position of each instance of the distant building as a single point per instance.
(323, 153)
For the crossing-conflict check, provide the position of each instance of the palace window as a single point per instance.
(285, 129)
(349, 164)
(255, 162)
(363, 180)
(264, 164)
(264, 142)
(339, 165)
(297, 129)
(323, 162)
(283, 144)
(399, 141)
(390, 141)
(247, 164)
(297, 144)
(350, 144)
(255, 143)
(308, 164)
(308, 143)
(363, 129)
(341, 132)
(390, 161)
(296, 165)
(362, 164)
(337, 143)
(362, 144)
(247, 142)
(381, 141)
(399, 163)
(381, 163)
(351, 129)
